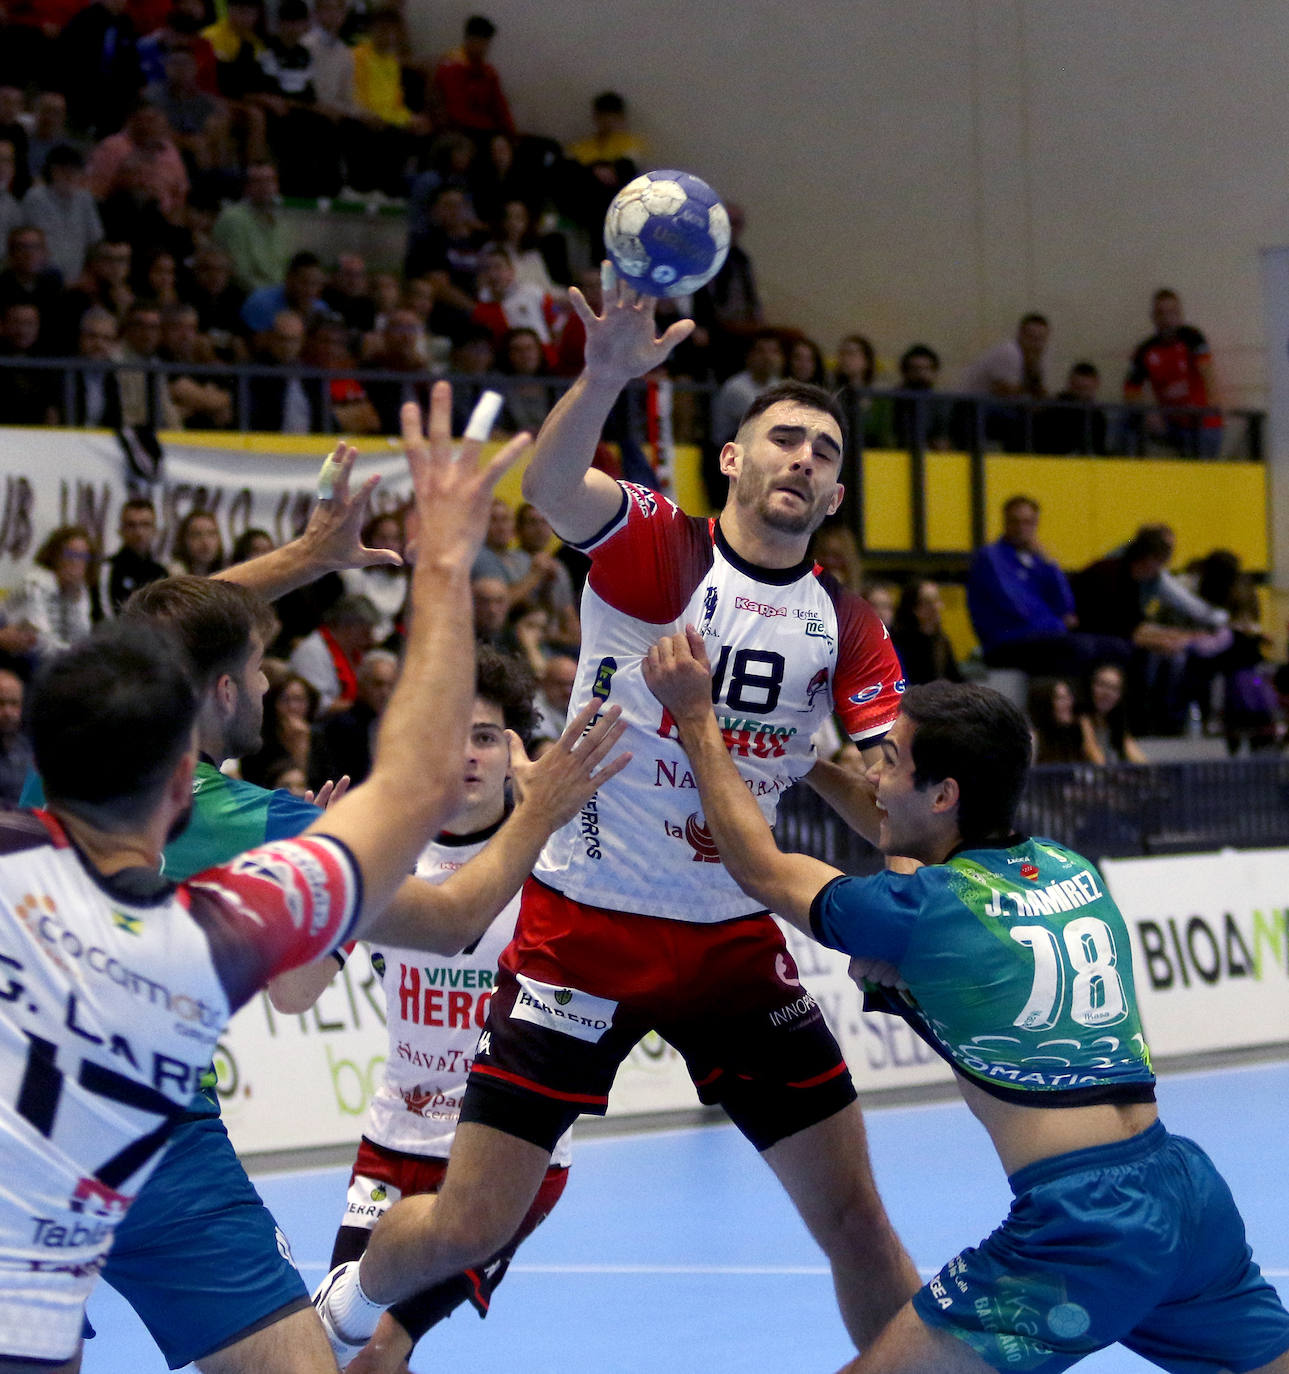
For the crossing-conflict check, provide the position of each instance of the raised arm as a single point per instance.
(331, 541)
(620, 345)
(678, 674)
(410, 793)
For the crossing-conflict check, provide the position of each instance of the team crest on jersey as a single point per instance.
(1028, 870)
(710, 598)
(817, 684)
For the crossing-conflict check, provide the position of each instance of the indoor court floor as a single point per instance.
(676, 1251)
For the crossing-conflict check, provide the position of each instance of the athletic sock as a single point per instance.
(352, 1312)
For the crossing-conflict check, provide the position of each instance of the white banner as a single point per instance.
(1210, 947)
(297, 1081)
(52, 477)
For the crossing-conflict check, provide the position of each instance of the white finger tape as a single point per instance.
(484, 416)
(332, 467)
(608, 277)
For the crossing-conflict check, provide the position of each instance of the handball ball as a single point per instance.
(667, 233)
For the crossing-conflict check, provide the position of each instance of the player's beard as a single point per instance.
(757, 495)
(245, 730)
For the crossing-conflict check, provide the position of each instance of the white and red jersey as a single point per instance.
(788, 647)
(435, 1007)
(113, 993)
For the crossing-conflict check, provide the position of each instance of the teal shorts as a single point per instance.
(1138, 1242)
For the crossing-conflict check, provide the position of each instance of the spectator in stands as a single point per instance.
(96, 395)
(181, 31)
(730, 304)
(237, 43)
(930, 419)
(1013, 368)
(918, 635)
(499, 558)
(836, 550)
(284, 404)
(16, 759)
(554, 692)
(132, 565)
(145, 396)
(611, 141)
(156, 278)
(350, 408)
(218, 301)
(143, 157)
(251, 231)
(300, 291)
(505, 303)
(869, 417)
(389, 134)
(301, 136)
(59, 594)
(763, 367)
(198, 547)
(333, 60)
(1106, 718)
(201, 402)
(431, 348)
(491, 598)
(1076, 424)
(806, 362)
(1059, 735)
(105, 283)
(251, 543)
(329, 657)
(200, 122)
(17, 640)
(29, 279)
(348, 293)
(526, 634)
(342, 742)
(13, 130)
(398, 352)
(1023, 610)
(499, 175)
(98, 66)
(515, 236)
(385, 586)
(1176, 362)
(542, 578)
(522, 360)
(291, 705)
(28, 395)
(49, 129)
(467, 89)
(63, 210)
(448, 253)
(10, 206)
(882, 596)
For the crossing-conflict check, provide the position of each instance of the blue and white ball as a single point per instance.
(667, 233)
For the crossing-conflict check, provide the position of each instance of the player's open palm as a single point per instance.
(677, 672)
(453, 489)
(560, 783)
(336, 522)
(623, 343)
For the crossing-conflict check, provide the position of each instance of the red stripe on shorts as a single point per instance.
(820, 1077)
(489, 1071)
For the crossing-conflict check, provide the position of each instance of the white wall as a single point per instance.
(928, 169)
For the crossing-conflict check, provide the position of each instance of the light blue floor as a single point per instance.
(676, 1251)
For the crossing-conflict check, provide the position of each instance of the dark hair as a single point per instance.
(181, 536)
(109, 719)
(870, 360)
(63, 155)
(1084, 369)
(1165, 293)
(1053, 742)
(609, 102)
(292, 11)
(274, 695)
(1116, 718)
(1150, 541)
(508, 682)
(213, 619)
(352, 609)
(799, 393)
(1020, 499)
(477, 26)
(242, 544)
(905, 620)
(919, 350)
(973, 734)
(817, 373)
(304, 258)
(504, 363)
(54, 543)
(375, 521)
(138, 503)
(1033, 318)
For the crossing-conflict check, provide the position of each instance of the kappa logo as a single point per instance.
(645, 501)
(745, 603)
(565, 1010)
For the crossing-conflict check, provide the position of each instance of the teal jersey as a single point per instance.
(229, 816)
(1018, 968)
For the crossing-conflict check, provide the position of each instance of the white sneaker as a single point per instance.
(344, 1350)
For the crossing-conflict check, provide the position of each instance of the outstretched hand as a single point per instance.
(677, 672)
(568, 774)
(335, 529)
(453, 491)
(329, 793)
(621, 342)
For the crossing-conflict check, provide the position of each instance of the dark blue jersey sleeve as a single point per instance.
(288, 816)
(871, 918)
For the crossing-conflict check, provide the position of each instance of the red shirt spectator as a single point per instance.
(466, 86)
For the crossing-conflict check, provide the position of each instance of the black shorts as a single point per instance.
(579, 985)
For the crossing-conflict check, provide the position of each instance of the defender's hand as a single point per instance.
(677, 672)
(567, 775)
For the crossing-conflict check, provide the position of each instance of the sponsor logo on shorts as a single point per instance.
(566, 1010)
(793, 1011)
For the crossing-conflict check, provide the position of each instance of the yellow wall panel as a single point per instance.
(888, 521)
(948, 502)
